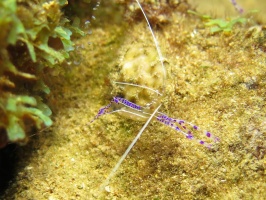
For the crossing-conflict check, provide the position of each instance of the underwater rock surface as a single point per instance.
(216, 81)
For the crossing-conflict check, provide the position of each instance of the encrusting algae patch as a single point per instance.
(217, 81)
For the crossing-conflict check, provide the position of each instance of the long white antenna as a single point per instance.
(155, 41)
(128, 150)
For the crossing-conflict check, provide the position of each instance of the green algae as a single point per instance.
(26, 58)
(73, 158)
(220, 25)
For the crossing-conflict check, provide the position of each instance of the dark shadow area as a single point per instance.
(8, 160)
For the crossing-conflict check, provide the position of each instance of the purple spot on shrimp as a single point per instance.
(101, 111)
(181, 122)
(116, 99)
(195, 127)
(189, 136)
(201, 142)
(208, 134)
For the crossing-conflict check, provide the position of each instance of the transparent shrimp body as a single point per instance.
(123, 106)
